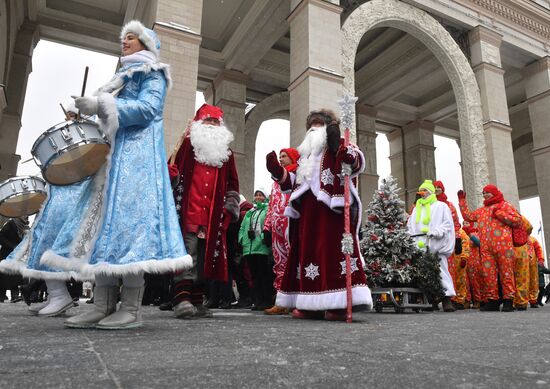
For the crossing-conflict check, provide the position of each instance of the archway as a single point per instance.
(275, 106)
(396, 14)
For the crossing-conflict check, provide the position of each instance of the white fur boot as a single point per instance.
(59, 299)
(35, 308)
(129, 314)
(105, 299)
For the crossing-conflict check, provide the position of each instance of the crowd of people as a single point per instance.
(177, 232)
(489, 261)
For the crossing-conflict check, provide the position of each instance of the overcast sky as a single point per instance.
(58, 72)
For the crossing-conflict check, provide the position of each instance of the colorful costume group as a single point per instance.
(126, 220)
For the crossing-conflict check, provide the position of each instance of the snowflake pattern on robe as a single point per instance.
(327, 178)
(353, 265)
(312, 271)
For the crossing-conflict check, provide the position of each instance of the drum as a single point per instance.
(20, 196)
(70, 151)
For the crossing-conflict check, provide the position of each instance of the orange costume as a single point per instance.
(460, 276)
(495, 220)
(523, 257)
(536, 259)
(474, 263)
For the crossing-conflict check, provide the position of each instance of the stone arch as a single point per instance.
(275, 106)
(396, 14)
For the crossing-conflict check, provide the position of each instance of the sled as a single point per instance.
(400, 299)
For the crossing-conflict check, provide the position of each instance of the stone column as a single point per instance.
(537, 90)
(366, 140)
(178, 26)
(229, 94)
(485, 60)
(315, 62)
(412, 157)
(16, 88)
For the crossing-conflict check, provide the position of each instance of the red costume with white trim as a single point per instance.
(207, 199)
(315, 275)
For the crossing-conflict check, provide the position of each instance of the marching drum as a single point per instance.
(70, 151)
(21, 196)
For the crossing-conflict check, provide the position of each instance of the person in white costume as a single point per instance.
(431, 225)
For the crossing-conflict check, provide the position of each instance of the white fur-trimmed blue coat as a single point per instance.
(126, 222)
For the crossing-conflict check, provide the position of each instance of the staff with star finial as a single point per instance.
(347, 108)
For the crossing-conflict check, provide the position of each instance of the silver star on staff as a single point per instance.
(347, 108)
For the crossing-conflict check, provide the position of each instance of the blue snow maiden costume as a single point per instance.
(25, 258)
(126, 221)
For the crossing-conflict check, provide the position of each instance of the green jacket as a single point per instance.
(254, 221)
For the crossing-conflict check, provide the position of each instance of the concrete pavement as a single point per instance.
(239, 348)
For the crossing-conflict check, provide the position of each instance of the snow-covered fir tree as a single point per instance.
(389, 251)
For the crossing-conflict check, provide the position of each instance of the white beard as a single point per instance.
(313, 145)
(210, 143)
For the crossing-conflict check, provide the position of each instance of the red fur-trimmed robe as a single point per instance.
(223, 210)
(315, 277)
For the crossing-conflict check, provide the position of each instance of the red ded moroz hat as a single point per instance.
(208, 111)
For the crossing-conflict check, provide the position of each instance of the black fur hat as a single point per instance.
(324, 115)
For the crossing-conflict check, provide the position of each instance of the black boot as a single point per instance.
(490, 306)
(458, 306)
(507, 306)
(448, 305)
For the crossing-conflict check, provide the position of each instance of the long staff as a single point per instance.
(347, 105)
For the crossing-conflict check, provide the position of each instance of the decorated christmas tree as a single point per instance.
(390, 253)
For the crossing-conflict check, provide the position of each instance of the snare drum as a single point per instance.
(70, 151)
(20, 196)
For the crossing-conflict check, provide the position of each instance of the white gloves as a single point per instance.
(87, 105)
(434, 234)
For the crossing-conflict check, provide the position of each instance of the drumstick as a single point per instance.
(85, 81)
(65, 112)
(84, 86)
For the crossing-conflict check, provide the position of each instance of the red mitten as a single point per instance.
(173, 171)
(174, 174)
(462, 263)
(273, 166)
(461, 194)
(346, 154)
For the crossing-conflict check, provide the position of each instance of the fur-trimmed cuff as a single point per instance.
(232, 199)
(157, 266)
(18, 267)
(108, 115)
(321, 301)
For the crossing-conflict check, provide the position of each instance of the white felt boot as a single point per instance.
(105, 299)
(129, 314)
(59, 299)
(36, 307)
